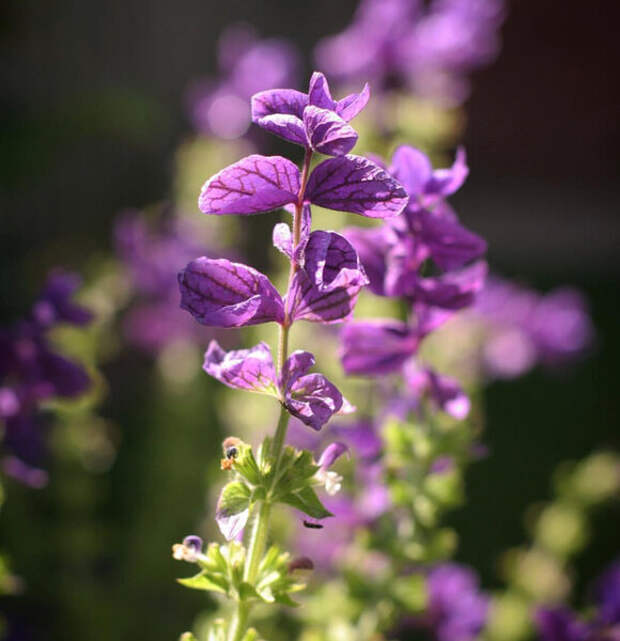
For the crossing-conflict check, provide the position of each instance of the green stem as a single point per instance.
(239, 622)
(256, 546)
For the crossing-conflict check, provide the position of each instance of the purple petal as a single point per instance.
(449, 244)
(33, 477)
(332, 452)
(351, 105)
(373, 348)
(453, 290)
(331, 261)
(314, 400)
(412, 169)
(444, 391)
(253, 185)
(231, 525)
(362, 437)
(444, 182)
(318, 92)
(283, 236)
(285, 126)
(278, 101)
(372, 246)
(247, 369)
(296, 365)
(561, 624)
(280, 111)
(327, 132)
(428, 319)
(55, 305)
(282, 239)
(220, 293)
(355, 184)
(326, 289)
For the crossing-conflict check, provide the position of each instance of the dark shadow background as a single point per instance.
(91, 112)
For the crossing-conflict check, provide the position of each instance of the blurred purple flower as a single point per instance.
(444, 392)
(31, 371)
(246, 65)
(429, 49)
(523, 327)
(457, 610)
(562, 624)
(152, 259)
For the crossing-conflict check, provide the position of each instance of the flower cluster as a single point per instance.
(247, 65)
(326, 272)
(430, 261)
(325, 278)
(429, 49)
(32, 372)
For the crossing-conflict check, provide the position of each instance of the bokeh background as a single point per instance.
(92, 111)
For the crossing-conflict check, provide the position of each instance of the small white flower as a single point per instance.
(331, 480)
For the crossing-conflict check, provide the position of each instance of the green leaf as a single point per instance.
(187, 636)
(247, 592)
(245, 465)
(306, 500)
(203, 582)
(233, 508)
(285, 599)
(304, 466)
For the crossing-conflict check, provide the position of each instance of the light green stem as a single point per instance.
(239, 622)
(258, 537)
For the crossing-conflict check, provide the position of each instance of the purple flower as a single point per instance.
(54, 304)
(394, 256)
(253, 185)
(152, 260)
(259, 184)
(314, 120)
(456, 608)
(378, 347)
(247, 369)
(31, 371)
(426, 186)
(373, 246)
(443, 391)
(428, 48)
(607, 596)
(247, 65)
(452, 290)
(325, 290)
(357, 185)
(310, 397)
(362, 438)
(523, 327)
(33, 477)
(560, 624)
(220, 293)
(283, 237)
